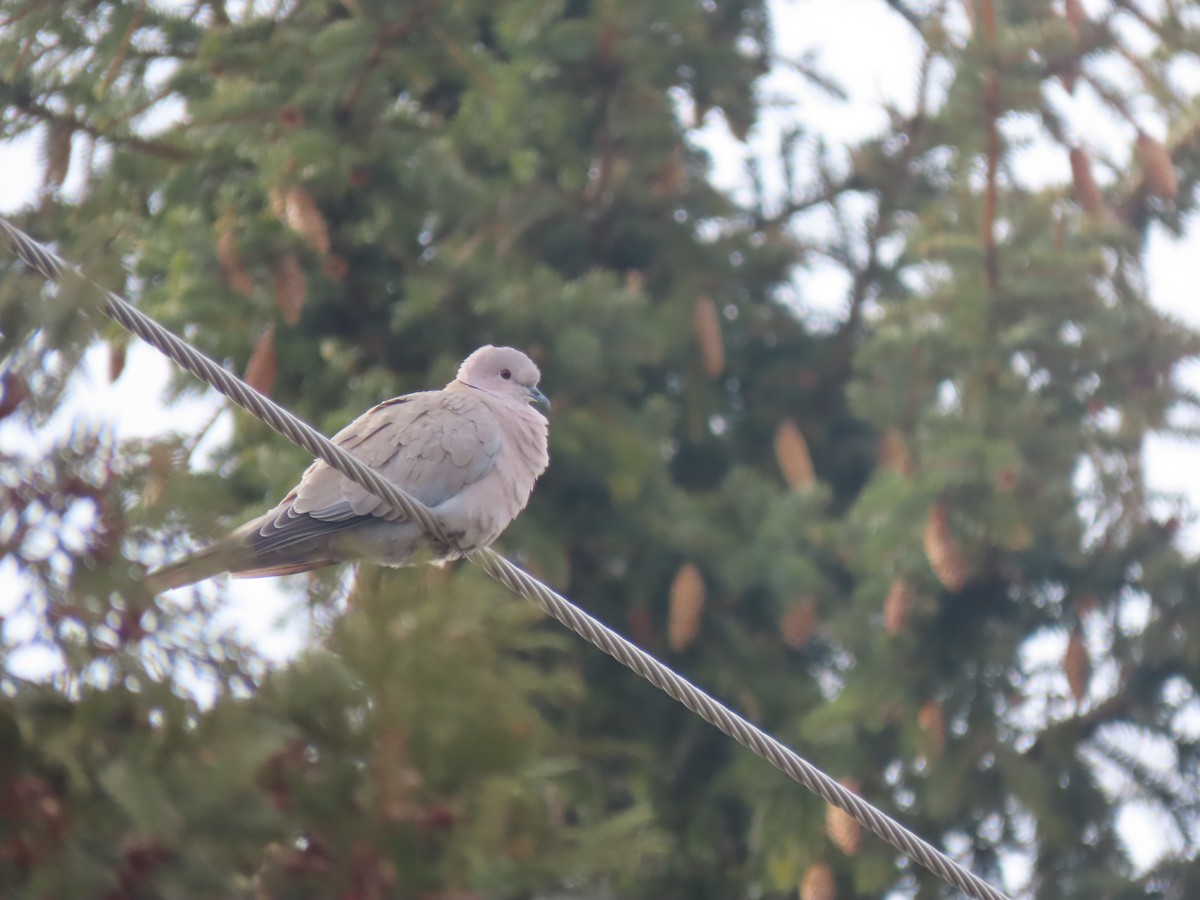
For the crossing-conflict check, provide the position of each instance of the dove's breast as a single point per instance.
(483, 509)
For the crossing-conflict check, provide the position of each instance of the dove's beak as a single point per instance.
(538, 398)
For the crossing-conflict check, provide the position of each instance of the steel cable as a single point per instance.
(53, 268)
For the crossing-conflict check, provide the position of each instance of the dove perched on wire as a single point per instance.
(471, 452)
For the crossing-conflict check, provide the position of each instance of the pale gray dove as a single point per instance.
(471, 452)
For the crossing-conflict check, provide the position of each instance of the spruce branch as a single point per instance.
(387, 38)
(913, 18)
(149, 146)
(118, 59)
(827, 192)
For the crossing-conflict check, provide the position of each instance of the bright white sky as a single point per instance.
(873, 55)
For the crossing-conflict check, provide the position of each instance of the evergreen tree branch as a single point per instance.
(390, 36)
(1124, 706)
(1168, 37)
(26, 10)
(114, 67)
(889, 197)
(913, 18)
(827, 193)
(151, 147)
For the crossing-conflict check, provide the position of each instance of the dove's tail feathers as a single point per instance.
(240, 558)
(284, 569)
(220, 557)
(238, 561)
(278, 543)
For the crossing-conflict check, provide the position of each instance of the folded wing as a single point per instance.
(431, 444)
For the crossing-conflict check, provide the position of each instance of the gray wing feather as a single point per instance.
(432, 444)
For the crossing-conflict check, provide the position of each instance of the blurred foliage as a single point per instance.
(863, 534)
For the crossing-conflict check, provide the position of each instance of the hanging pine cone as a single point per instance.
(56, 154)
(291, 287)
(118, 353)
(1075, 14)
(843, 829)
(229, 264)
(707, 327)
(945, 556)
(303, 216)
(1077, 666)
(897, 607)
(893, 453)
(933, 724)
(1157, 167)
(791, 453)
(796, 625)
(686, 605)
(818, 883)
(263, 364)
(1087, 192)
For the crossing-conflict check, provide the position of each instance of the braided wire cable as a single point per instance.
(53, 268)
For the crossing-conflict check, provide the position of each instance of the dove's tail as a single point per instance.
(219, 560)
(233, 556)
(220, 557)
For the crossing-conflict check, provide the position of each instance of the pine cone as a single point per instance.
(13, 391)
(707, 328)
(893, 454)
(797, 623)
(897, 608)
(943, 552)
(686, 605)
(1077, 666)
(229, 263)
(263, 364)
(818, 883)
(791, 452)
(303, 216)
(1087, 192)
(843, 829)
(1157, 168)
(56, 154)
(291, 287)
(1075, 14)
(118, 352)
(934, 725)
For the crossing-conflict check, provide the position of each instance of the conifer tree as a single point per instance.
(857, 536)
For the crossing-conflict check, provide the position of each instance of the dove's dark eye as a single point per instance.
(505, 374)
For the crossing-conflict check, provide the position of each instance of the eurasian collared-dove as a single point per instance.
(471, 452)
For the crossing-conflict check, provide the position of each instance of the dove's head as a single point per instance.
(504, 372)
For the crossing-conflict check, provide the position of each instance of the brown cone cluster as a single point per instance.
(1087, 192)
(1157, 168)
(686, 606)
(893, 453)
(263, 364)
(818, 883)
(945, 556)
(1077, 666)
(796, 625)
(933, 724)
(296, 208)
(897, 606)
(707, 328)
(291, 287)
(791, 453)
(230, 265)
(843, 829)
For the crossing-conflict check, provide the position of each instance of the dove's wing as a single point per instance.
(432, 444)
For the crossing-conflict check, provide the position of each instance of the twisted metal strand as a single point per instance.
(516, 579)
